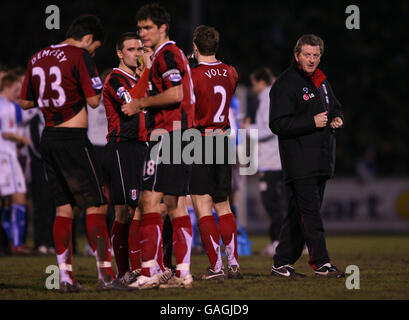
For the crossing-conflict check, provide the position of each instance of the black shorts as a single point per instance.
(163, 172)
(122, 167)
(73, 174)
(213, 178)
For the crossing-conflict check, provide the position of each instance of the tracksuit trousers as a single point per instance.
(303, 224)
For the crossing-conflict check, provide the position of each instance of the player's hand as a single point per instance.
(132, 107)
(26, 141)
(245, 123)
(146, 56)
(336, 123)
(321, 119)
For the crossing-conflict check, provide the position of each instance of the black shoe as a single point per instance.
(234, 272)
(286, 271)
(115, 284)
(212, 275)
(329, 271)
(130, 277)
(66, 287)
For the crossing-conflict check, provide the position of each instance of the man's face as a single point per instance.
(129, 54)
(150, 34)
(309, 58)
(257, 86)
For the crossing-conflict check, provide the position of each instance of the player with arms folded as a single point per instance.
(61, 80)
(214, 85)
(170, 102)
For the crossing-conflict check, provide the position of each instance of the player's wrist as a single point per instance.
(144, 103)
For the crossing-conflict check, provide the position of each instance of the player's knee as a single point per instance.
(222, 208)
(122, 214)
(65, 211)
(19, 198)
(97, 210)
(148, 204)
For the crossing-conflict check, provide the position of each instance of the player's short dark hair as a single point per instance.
(86, 24)
(125, 36)
(309, 39)
(8, 80)
(206, 39)
(156, 13)
(263, 74)
(3, 68)
(18, 71)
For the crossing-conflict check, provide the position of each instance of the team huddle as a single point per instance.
(151, 99)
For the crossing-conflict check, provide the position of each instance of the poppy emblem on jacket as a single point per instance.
(306, 97)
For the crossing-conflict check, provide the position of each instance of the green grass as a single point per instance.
(383, 262)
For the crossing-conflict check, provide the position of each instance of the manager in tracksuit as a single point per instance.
(305, 114)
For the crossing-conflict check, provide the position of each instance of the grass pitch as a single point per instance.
(383, 262)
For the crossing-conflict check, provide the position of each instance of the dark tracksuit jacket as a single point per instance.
(307, 157)
(305, 151)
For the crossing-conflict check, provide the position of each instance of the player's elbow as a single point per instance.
(26, 104)
(94, 101)
(178, 94)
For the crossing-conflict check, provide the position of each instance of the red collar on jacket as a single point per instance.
(317, 77)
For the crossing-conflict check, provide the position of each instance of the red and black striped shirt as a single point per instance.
(170, 68)
(120, 126)
(58, 79)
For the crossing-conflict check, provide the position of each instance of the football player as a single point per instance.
(125, 153)
(12, 181)
(211, 183)
(170, 107)
(61, 80)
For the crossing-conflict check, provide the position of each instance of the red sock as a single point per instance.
(167, 236)
(228, 231)
(209, 232)
(97, 233)
(182, 243)
(134, 244)
(62, 232)
(119, 240)
(151, 243)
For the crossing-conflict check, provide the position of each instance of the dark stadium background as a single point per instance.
(368, 68)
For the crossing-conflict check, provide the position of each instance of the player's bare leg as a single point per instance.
(228, 231)
(210, 235)
(182, 241)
